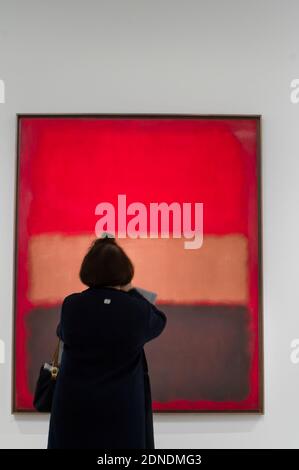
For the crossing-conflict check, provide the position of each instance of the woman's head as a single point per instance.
(106, 264)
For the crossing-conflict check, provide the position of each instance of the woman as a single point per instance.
(102, 396)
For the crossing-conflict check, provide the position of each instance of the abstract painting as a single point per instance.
(210, 356)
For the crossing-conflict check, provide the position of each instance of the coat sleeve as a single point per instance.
(157, 318)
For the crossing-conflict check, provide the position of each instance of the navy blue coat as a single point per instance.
(102, 397)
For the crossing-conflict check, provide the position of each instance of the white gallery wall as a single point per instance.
(167, 56)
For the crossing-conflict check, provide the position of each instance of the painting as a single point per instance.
(200, 176)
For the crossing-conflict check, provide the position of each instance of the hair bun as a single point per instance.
(107, 237)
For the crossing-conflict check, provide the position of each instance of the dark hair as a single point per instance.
(106, 264)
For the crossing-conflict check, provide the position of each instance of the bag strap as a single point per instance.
(56, 354)
(55, 361)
